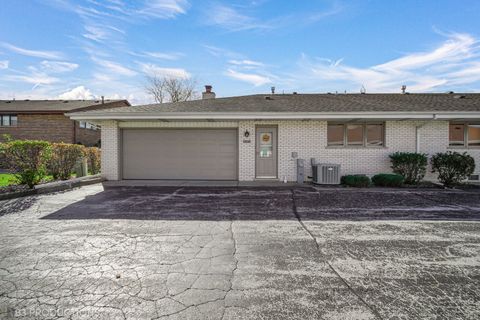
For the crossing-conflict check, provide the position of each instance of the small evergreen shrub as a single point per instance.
(452, 167)
(27, 159)
(63, 160)
(387, 180)
(355, 180)
(93, 155)
(412, 166)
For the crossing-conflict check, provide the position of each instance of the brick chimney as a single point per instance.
(208, 94)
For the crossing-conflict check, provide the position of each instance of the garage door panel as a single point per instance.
(209, 154)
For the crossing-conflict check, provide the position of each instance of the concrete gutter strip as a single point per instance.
(54, 187)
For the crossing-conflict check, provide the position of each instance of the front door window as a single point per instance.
(266, 152)
(266, 146)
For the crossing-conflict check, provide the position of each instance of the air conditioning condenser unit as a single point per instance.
(326, 173)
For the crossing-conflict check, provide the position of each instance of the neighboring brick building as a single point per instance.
(261, 136)
(45, 120)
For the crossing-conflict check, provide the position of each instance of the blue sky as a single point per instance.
(88, 48)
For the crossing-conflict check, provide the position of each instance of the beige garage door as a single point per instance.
(197, 154)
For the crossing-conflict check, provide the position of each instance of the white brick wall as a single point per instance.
(307, 138)
(434, 139)
(111, 149)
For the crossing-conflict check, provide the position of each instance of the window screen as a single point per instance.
(5, 121)
(355, 134)
(457, 134)
(474, 134)
(335, 134)
(374, 135)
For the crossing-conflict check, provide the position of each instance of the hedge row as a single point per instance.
(410, 168)
(32, 160)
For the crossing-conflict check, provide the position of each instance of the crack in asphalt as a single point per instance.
(295, 212)
(197, 269)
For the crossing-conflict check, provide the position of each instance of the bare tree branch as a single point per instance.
(155, 87)
(164, 89)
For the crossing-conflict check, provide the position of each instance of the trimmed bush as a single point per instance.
(412, 166)
(355, 180)
(93, 155)
(387, 180)
(452, 167)
(27, 159)
(63, 160)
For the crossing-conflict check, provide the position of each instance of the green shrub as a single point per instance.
(452, 167)
(27, 159)
(3, 164)
(412, 166)
(63, 160)
(355, 180)
(93, 155)
(387, 180)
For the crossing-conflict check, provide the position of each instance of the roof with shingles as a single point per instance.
(53, 106)
(317, 103)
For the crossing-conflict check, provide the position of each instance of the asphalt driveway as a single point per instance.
(241, 253)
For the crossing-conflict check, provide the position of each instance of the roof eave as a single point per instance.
(444, 115)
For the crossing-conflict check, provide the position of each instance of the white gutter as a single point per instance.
(273, 115)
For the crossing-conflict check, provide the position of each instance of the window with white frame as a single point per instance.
(8, 120)
(87, 125)
(464, 134)
(361, 134)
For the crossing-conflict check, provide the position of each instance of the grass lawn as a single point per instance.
(7, 179)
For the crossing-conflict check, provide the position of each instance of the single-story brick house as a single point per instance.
(46, 120)
(260, 136)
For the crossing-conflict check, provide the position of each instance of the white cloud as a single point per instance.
(36, 79)
(102, 77)
(230, 19)
(246, 62)
(4, 64)
(222, 52)
(458, 48)
(32, 53)
(126, 11)
(95, 33)
(114, 67)
(78, 93)
(163, 9)
(255, 79)
(101, 32)
(58, 66)
(456, 61)
(151, 69)
(164, 55)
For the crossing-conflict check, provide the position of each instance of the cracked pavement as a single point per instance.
(241, 253)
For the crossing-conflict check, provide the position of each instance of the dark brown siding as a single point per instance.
(55, 127)
(49, 127)
(87, 137)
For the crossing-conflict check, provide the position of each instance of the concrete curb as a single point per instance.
(54, 187)
(17, 194)
(199, 183)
